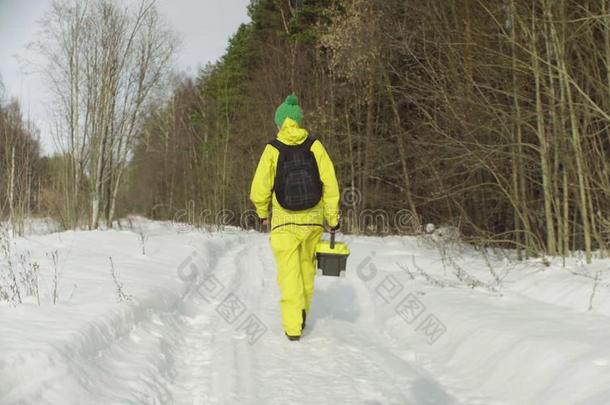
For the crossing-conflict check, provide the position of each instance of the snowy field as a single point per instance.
(192, 317)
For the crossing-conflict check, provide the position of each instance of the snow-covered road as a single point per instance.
(203, 327)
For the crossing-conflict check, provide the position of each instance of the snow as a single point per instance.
(417, 320)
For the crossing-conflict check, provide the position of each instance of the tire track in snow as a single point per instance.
(219, 365)
(231, 354)
(200, 373)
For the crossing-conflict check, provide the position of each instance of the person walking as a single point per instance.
(296, 176)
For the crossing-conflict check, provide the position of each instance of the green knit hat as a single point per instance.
(288, 109)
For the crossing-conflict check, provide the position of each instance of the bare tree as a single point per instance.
(19, 166)
(106, 63)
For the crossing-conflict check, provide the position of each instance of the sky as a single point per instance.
(204, 27)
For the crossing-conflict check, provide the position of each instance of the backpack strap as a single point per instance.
(277, 144)
(308, 142)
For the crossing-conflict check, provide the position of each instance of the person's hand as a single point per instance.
(333, 229)
(264, 222)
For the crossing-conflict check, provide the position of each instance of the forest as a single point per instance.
(491, 117)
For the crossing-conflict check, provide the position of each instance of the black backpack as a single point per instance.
(297, 178)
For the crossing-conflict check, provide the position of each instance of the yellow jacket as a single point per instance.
(264, 178)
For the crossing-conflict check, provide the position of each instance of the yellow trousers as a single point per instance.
(294, 248)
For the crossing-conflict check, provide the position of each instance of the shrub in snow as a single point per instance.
(448, 242)
(598, 276)
(54, 256)
(18, 273)
(143, 238)
(447, 233)
(116, 277)
(29, 276)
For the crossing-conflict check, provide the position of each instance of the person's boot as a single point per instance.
(304, 315)
(293, 338)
